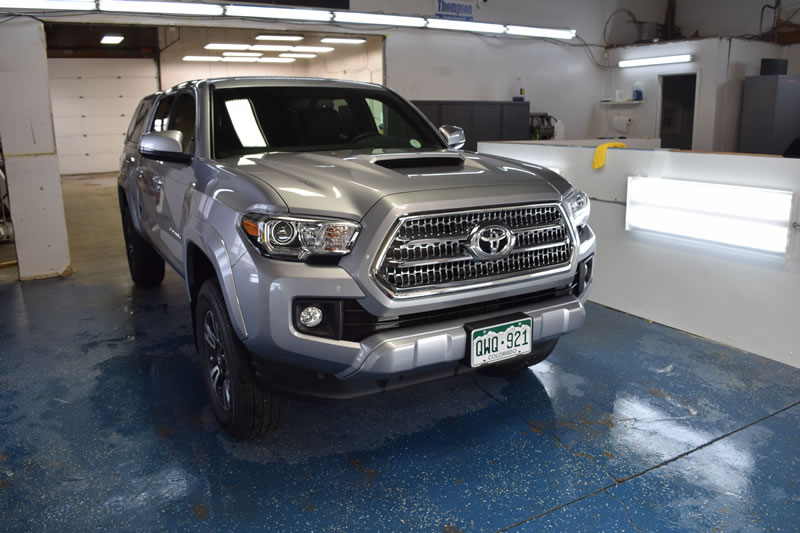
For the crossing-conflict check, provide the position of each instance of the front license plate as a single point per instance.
(499, 342)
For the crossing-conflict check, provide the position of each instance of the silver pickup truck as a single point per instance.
(335, 244)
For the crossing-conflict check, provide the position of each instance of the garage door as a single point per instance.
(93, 100)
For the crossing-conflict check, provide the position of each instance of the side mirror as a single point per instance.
(454, 136)
(163, 145)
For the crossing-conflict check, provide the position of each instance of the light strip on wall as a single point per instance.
(549, 33)
(647, 61)
(746, 217)
(378, 19)
(166, 8)
(278, 13)
(461, 25)
(63, 5)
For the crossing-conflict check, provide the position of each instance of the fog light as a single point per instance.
(311, 316)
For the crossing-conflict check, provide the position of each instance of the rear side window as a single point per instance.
(137, 122)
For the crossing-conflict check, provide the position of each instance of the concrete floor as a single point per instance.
(629, 426)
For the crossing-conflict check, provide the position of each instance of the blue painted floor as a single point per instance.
(629, 426)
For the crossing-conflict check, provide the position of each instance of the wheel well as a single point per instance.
(199, 268)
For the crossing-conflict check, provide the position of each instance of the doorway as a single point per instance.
(677, 111)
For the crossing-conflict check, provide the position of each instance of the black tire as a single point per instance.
(146, 266)
(539, 353)
(242, 408)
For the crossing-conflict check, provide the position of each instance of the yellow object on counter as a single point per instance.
(599, 160)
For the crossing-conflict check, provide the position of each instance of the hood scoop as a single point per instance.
(418, 160)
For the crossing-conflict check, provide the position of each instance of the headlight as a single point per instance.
(577, 203)
(297, 238)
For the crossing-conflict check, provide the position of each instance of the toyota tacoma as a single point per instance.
(334, 243)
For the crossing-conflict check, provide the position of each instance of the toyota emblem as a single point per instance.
(491, 241)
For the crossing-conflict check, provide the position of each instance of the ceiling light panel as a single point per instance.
(339, 40)
(378, 20)
(278, 13)
(461, 25)
(299, 56)
(279, 38)
(235, 59)
(276, 60)
(112, 38)
(61, 5)
(241, 54)
(270, 48)
(202, 58)
(167, 8)
(313, 49)
(647, 61)
(227, 46)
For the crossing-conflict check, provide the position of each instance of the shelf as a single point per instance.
(621, 102)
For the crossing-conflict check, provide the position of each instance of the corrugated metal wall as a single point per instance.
(93, 100)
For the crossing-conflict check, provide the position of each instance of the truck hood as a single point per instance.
(347, 183)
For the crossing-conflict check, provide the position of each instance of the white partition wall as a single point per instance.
(737, 297)
(26, 126)
(93, 100)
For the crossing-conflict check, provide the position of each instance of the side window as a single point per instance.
(377, 109)
(161, 119)
(137, 122)
(183, 121)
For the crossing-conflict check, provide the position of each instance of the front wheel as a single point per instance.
(241, 407)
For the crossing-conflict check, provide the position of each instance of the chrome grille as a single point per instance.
(431, 251)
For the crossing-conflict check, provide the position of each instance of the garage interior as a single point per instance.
(675, 407)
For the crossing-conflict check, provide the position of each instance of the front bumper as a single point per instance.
(389, 359)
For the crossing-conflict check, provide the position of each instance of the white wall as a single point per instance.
(792, 53)
(737, 298)
(352, 62)
(34, 186)
(93, 100)
(708, 67)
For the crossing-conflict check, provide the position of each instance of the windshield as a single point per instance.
(303, 119)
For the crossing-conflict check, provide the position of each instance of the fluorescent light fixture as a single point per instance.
(112, 38)
(226, 46)
(549, 33)
(61, 5)
(241, 54)
(746, 217)
(276, 60)
(202, 58)
(229, 59)
(313, 49)
(168, 8)
(245, 123)
(299, 56)
(461, 25)
(270, 48)
(377, 19)
(664, 60)
(280, 13)
(279, 38)
(338, 40)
